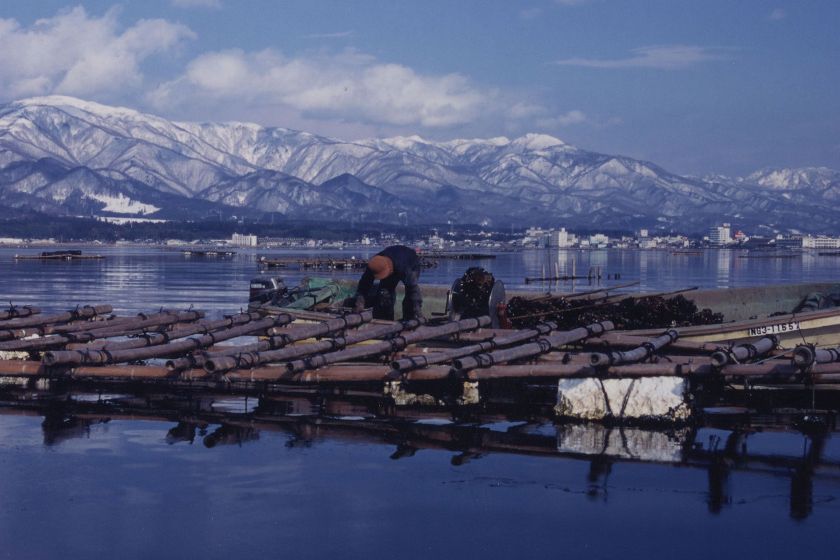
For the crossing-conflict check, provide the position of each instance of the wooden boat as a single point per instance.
(820, 328)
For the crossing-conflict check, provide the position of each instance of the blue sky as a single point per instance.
(695, 86)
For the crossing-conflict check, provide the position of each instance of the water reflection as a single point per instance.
(725, 450)
(139, 279)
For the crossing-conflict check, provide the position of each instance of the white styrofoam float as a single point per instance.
(654, 398)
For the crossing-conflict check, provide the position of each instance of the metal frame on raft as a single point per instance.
(593, 371)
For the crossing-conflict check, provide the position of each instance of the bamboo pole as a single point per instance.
(621, 340)
(805, 354)
(288, 336)
(25, 368)
(744, 352)
(540, 346)
(646, 350)
(164, 337)
(43, 324)
(84, 312)
(329, 326)
(122, 372)
(389, 346)
(124, 328)
(582, 370)
(17, 312)
(142, 322)
(423, 360)
(73, 326)
(252, 359)
(80, 357)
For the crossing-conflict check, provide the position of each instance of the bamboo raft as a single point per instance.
(450, 362)
(315, 264)
(458, 256)
(331, 264)
(208, 253)
(67, 255)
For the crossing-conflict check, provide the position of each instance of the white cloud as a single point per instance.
(348, 86)
(334, 35)
(566, 119)
(528, 116)
(661, 57)
(777, 15)
(214, 4)
(523, 110)
(78, 54)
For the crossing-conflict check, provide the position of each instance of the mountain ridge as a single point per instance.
(136, 163)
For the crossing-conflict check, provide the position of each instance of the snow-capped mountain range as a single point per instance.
(62, 155)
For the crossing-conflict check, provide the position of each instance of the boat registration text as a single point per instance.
(775, 329)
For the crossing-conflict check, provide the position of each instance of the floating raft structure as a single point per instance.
(314, 264)
(590, 372)
(209, 253)
(455, 255)
(67, 255)
(331, 264)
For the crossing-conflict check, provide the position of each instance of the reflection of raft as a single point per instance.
(727, 446)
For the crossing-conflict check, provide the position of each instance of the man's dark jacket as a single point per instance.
(406, 270)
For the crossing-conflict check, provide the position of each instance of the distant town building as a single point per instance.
(435, 241)
(788, 241)
(243, 240)
(820, 242)
(598, 240)
(560, 239)
(643, 233)
(535, 232)
(721, 235)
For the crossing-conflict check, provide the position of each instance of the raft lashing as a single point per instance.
(589, 372)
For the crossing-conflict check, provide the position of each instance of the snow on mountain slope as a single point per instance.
(59, 152)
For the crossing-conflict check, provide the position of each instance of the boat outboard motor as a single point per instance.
(474, 294)
(265, 291)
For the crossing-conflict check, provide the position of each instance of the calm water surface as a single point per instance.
(124, 481)
(138, 279)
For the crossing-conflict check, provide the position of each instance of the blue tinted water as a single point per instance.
(122, 488)
(138, 279)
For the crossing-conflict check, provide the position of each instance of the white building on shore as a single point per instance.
(721, 235)
(560, 239)
(243, 240)
(820, 242)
